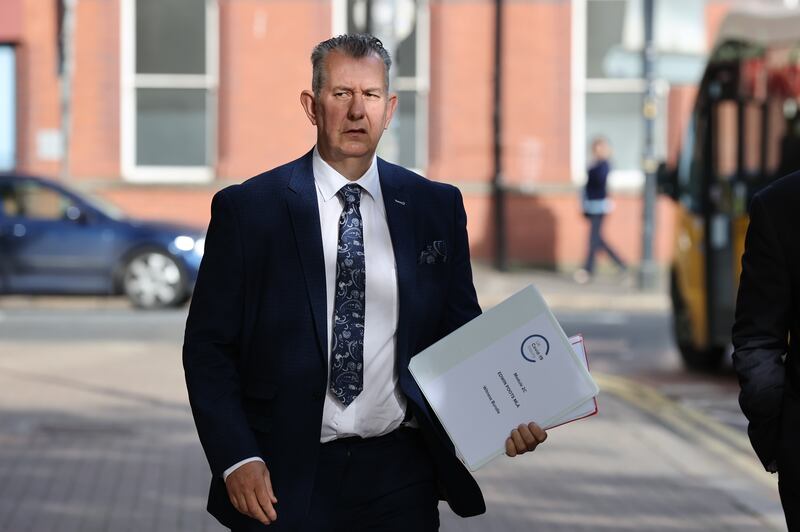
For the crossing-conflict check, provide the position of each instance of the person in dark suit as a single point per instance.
(321, 279)
(765, 336)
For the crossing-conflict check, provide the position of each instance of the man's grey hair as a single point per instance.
(356, 46)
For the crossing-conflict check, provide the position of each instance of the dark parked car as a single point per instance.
(56, 241)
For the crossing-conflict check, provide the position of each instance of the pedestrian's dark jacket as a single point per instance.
(595, 202)
(596, 182)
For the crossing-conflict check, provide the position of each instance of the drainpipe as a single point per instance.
(498, 192)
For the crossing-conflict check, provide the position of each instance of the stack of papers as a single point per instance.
(513, 364)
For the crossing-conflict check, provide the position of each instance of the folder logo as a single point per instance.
(535, 347)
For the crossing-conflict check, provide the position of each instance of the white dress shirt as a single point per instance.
(380, 407)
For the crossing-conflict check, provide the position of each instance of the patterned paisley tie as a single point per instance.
(347, 350)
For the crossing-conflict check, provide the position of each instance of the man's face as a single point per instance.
(352, 109)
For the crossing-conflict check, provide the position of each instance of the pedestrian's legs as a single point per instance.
(595, 241)
(598, 242)
(619, 262)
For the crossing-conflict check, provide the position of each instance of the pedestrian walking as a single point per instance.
(596, 205)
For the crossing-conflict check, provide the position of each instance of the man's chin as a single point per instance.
(356, 151)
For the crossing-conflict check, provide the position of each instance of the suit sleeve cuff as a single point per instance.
(237, 465)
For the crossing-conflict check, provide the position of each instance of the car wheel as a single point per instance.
(152, 279)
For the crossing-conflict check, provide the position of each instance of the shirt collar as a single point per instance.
(329, 181)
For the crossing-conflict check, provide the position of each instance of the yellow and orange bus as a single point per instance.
(743, 133)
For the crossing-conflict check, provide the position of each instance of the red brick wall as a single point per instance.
(460, 116)
(189, 205)
(11, 20)
(96, 92)
(37, 89)
(264, 65)
(715, 13)
(550, 230)
(536, 92)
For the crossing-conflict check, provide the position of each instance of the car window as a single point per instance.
(9, 206)
(36, 202)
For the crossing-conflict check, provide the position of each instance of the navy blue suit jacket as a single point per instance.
(255, 350)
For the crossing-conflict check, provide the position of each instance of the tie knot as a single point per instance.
(351, 194)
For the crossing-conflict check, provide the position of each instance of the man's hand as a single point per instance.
(250, 492)
(525, 438)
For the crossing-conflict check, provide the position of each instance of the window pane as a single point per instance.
(615, 38)
(604, 30)
(356, 16)
(406, 57)
(9, 202)
(171, 127)
(170, 36)
(39, 203)
(618, 117)
(406, 128)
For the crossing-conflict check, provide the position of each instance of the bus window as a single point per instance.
(753, 116)
(775, 132)
(790, 140)
(725, 140)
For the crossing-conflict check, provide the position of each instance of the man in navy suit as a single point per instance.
(320, 280)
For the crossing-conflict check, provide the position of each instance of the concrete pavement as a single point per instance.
(604, 292)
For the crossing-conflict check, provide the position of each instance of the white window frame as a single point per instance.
(581, 86)
(130, 81)
(8, 106)
(420, 83)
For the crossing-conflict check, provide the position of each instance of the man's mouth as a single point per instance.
(356, 131)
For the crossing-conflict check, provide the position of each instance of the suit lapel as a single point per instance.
(304, 211)
(399, 215)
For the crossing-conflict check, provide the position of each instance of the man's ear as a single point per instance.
(309, 105)
(390, 110)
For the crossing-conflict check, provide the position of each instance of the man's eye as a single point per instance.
(340, 94)
(373, 95)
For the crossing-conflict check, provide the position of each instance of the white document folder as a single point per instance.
(588, 408)
(513, 364)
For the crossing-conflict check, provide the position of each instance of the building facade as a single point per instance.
(171, 100)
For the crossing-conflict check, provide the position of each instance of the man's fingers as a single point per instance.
(250, 492)
(519, 443)
(234, 502)
(510, 449)
(265, 501)
(527, 436)
(538, 432)
(268, 483)
(241, 503)
(254, 509)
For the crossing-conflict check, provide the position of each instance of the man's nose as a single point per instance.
(356, 110)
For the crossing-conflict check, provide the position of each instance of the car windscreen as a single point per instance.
(98, 203)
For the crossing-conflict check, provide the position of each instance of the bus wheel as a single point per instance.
(703, 359)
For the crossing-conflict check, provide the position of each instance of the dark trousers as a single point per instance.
(382, 484)
(788, 459)
(789, 490)
(597, 243)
